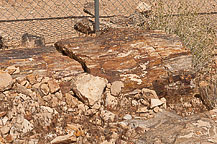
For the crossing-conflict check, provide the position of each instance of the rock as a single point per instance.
(97, 105)
(82, 107)
(109, 85)
(134, 103)
(33, 141)
(32, 78)
(22, 89)
(65, 87)
(127, 117)
(107, 116)
(138, 65)
(71, 100)
(156, 109)
(45, 80)
(2, 114)
(6, 81)
(142, 110)
(144, 102)
(36, 86)
(59, 95)
(111, 102)
(54, 101)
(149, 94)
(9, 138)
(116, 88)
(143, 7)
(75, 128)
(85, 26)
(12, 70)
(5, 129)
(54, 86)
(89, 88)
(155, 103)
(44, 89)
(48, 109)
(70, 138)
(31, 41)
(25, 83)
(2, 45)
(27, 126)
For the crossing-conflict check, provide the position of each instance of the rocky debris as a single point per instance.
(6, 81)
(52, 100)
(37, 110)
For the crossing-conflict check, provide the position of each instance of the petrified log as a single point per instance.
(136, 57)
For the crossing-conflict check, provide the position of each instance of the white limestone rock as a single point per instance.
(155, 103)
(89, 88)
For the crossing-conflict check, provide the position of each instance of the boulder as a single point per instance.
(89, 88)
(135, 57)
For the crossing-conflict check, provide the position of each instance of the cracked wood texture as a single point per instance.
(136, 57)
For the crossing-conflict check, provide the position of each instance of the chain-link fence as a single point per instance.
(51, 19)
(54, 19)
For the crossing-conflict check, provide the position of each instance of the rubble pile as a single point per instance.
(83, 109)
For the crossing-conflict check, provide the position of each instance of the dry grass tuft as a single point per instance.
(198, 33)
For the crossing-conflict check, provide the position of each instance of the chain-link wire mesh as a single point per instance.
(51, 19)
(54, 19)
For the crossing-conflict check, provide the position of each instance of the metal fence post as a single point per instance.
(96, 16)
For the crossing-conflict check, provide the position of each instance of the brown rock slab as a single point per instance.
(43, 61)
(135, 57)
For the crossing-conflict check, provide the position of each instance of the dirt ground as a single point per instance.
(57, 29)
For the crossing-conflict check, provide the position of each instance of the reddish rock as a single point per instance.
(32, 78)
(135, 57)
(44, 61)
(54, 86)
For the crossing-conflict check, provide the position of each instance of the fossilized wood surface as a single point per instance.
(42, 61)
(136, 57)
